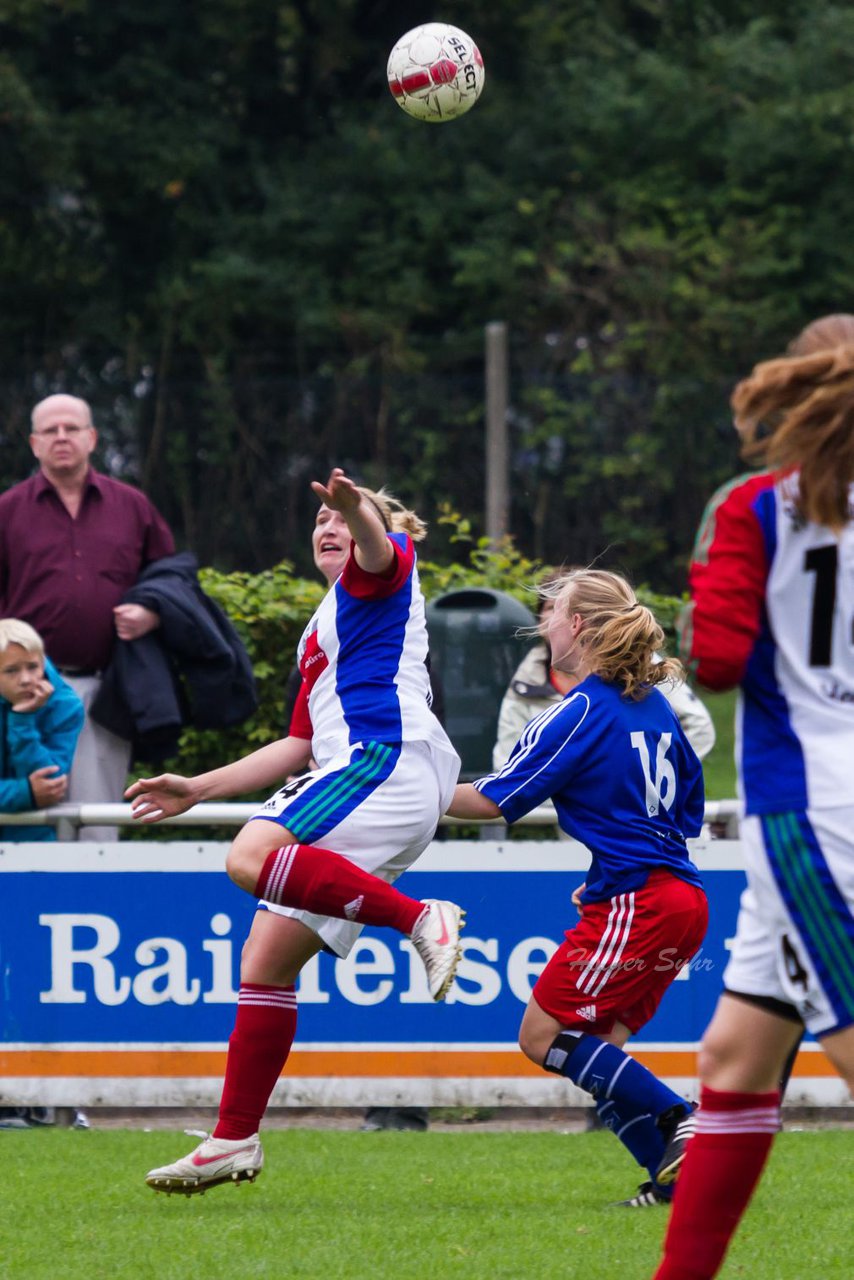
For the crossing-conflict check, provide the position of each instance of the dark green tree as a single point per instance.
(216, 225)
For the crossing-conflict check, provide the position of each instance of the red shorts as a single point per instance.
(621, 957)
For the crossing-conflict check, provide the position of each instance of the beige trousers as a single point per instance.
(100, 766)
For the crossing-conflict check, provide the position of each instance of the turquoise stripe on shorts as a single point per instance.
(325, 800)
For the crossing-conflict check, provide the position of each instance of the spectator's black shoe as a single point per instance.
(374, 1120)
(41, 1117)
(415, 1119)
(14, 1118)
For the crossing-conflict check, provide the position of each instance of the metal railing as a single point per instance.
(721, 815)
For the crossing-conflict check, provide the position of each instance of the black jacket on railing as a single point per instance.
(192, 670)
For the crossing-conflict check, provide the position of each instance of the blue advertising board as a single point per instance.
(121, 965)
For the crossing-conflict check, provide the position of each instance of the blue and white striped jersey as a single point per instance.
(362, 659)
(624, 781)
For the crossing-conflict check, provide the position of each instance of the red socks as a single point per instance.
(300, 875)
(723, 1164)
(263, 1033)
(317, 880)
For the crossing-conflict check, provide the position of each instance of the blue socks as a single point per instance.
(609, 1074)
(640, 1135)
(629, 1098)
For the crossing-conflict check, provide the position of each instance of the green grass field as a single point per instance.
(335, 1205)
(718, 766)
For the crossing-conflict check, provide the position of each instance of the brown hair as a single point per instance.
(620, 637)
(797, 413)
(395, 516)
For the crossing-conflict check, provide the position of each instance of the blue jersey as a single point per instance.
(624, 779)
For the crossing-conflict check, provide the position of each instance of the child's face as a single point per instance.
(20, 672)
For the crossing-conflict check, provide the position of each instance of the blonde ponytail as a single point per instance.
(395, 516)
(621, 637)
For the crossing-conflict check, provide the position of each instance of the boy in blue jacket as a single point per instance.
(40, 722)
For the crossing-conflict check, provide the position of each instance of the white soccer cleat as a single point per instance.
(214, 1161)
(436, 938)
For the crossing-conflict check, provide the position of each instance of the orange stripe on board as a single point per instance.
(373, 1063)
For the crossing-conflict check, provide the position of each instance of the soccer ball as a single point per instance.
(435, 72)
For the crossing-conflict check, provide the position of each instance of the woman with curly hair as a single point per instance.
(625, 781)
(772, 612)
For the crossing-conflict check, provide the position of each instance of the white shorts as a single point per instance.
(795, 936)
(377, 804)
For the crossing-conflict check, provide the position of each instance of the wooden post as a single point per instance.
(497, 451)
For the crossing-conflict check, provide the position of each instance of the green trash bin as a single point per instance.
(475, 649)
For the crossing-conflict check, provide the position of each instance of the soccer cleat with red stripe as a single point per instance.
(436, 938)
(214, 1161)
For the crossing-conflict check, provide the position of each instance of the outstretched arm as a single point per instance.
(374, 552)
(469, 803)
(171, 793)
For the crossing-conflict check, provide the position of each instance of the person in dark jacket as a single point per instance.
(193, 669)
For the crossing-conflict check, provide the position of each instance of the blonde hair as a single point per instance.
(797, 413)
(395, 516)
(14, 631)
(620, 636)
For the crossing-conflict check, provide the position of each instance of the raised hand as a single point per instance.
(339, 493)
(161, 797)
(367, 528)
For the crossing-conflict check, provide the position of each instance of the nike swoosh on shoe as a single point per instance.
(200, 1160)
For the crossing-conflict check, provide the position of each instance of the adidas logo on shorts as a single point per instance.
(352, 909)
(588, 1012)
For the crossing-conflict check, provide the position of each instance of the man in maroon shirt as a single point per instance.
(72, 541)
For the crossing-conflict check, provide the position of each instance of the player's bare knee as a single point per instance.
(719, 1051)
(241, 867)
(709, 1062)
(533, 1044)
(725, 1062)
(839, 1047)
(525, 1046)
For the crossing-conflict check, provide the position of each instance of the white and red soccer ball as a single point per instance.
(435, 72)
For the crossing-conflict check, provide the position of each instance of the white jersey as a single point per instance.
(362, 658)
(773, 611)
